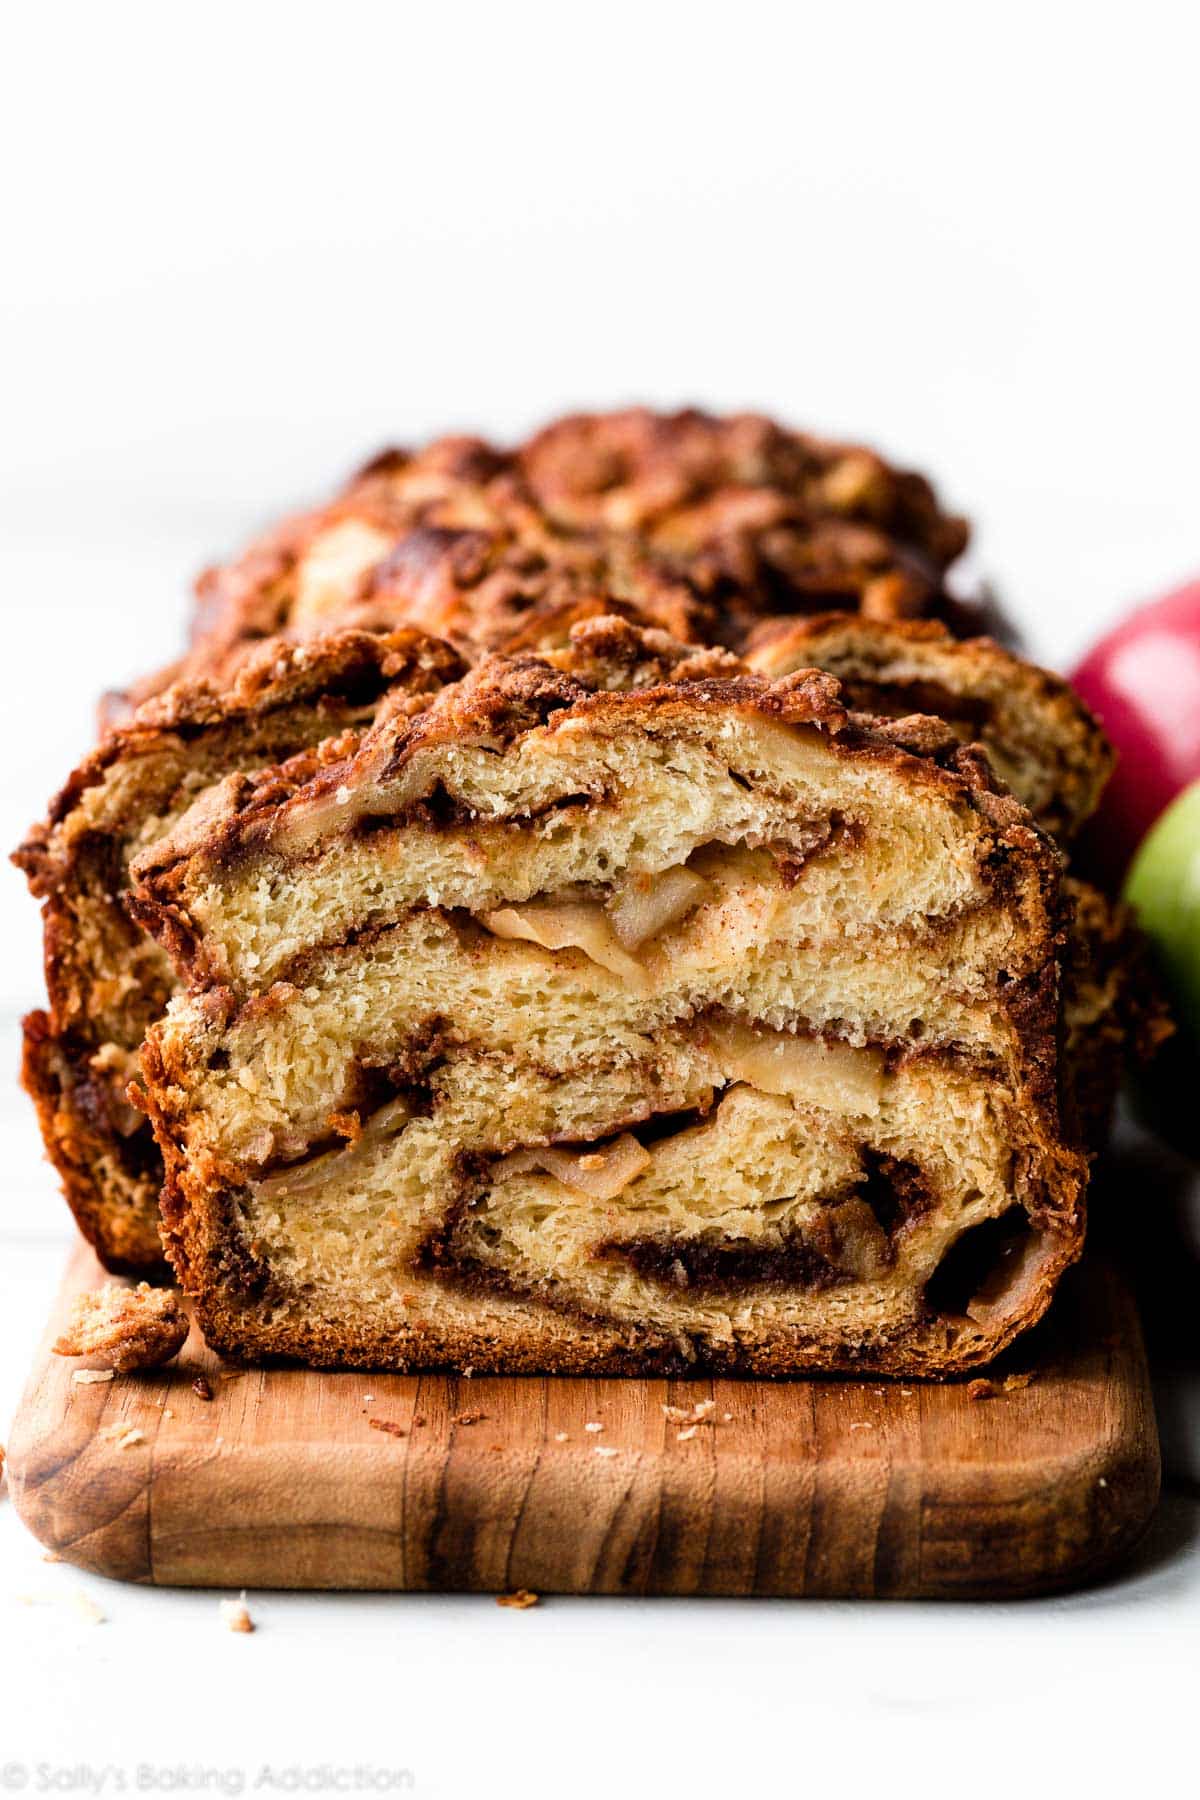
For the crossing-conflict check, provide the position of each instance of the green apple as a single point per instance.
(1163, 887)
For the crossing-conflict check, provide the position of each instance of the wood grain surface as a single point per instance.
(825, 1488)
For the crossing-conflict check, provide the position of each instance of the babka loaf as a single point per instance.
(106, 980)
(622, 1009)
(700, 526)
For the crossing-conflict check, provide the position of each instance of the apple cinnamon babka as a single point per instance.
(617, 1009)
(731, 1120)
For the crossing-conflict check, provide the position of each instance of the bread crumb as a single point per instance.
(129, 1328)
(593, 1425)
(699, 1414)
(521, 1598)
(907, 1393)
(1102, 1482)
(236, 1615)
(388, 1425)
(86, 1607)
(603, 1450)
(123, 1434)
(862, 1425)
(85, 1377)
(419, 1419)
(468, 1371)
(560, 1437)
(982, 1390)
(689, 1431)
(727, 1418)
(202, 1388)
(1013, 1382)
(468, 1418)
(51, 1556)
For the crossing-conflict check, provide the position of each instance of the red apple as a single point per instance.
(1143, 683)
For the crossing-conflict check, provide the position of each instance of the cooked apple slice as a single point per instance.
(644, 906)
(569, 925)
(601, 1173)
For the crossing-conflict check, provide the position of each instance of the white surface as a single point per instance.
(243, 246)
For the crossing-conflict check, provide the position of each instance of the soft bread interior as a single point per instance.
(694, 1026)
(267, 1072)
(738, 1211)
(464, 826)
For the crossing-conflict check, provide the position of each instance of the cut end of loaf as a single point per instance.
(586, 1024)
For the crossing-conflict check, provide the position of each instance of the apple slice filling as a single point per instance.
(610, 931)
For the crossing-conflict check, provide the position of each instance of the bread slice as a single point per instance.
(1042, 741)
(106, 980)
(624, 1010)
(717, 521)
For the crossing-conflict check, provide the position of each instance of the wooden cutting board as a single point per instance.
(829, 1488)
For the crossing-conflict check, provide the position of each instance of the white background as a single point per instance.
(245, 245)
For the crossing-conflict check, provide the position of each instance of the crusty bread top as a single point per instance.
(695, 518)
(691, 481)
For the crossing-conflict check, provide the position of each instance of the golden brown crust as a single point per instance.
(590, 1347)
(786, 516)
(272, 676)
(704, 524)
